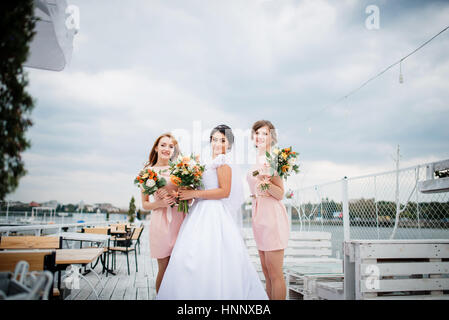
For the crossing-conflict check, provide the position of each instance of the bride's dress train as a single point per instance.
(210, 259)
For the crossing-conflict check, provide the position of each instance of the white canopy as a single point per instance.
(52, 45)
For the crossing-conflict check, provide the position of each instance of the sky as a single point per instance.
(143, 68)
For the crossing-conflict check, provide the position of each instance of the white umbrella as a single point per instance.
(52, 45)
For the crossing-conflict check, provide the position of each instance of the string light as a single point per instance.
(401, 78)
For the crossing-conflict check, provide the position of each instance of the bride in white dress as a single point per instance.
(210, 259)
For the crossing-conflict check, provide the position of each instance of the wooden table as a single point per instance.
(81, 257)
(102, 239)
(119, 232)
(88, 237)
(77, 256)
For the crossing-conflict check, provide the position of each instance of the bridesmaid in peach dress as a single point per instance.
(165, 220)
(269, 216)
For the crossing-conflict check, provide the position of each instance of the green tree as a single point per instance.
(71, 207)
(17, 23)
(132, 210)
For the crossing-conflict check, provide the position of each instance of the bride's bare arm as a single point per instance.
(224, 174)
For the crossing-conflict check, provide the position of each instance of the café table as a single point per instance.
(84, 237)
(77, 258)
(101, 239)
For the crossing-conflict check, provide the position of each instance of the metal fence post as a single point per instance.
(344, 197)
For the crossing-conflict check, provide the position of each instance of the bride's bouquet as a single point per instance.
(280, 161)
(149, 182)
(186, 172)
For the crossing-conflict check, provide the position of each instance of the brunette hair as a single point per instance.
(262, 123)
(226, 131)
(152, 159)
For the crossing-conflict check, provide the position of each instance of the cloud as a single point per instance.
(148, 67)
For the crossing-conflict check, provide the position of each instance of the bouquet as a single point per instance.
(149, 182)
(186, 172)
(280, 161)
(289, 194)
(264, 184)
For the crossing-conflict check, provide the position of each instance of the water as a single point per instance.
(337, 235)
(21, 218)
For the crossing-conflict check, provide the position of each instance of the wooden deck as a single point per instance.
(136, 286)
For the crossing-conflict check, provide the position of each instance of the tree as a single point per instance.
(132, 210)
(17, 23)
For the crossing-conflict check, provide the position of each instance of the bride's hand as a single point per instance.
(186, 194)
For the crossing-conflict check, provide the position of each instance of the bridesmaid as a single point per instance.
(165, 220)
(269, 216)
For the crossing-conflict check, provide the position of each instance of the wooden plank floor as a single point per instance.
(136, 286)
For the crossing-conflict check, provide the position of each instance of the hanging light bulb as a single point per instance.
(401, 77)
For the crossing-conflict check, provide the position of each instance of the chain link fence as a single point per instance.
(386, 205)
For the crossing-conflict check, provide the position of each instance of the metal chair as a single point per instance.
(124, 245)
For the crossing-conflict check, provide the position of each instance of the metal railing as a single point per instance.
(385, 205)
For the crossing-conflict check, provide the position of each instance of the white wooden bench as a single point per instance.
(303, 248)
(314, 283)
(330, 290)
(396, 269)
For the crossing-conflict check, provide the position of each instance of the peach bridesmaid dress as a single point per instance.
(164, 225)
(269, 218)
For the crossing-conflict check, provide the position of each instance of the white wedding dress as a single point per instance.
(210, 260)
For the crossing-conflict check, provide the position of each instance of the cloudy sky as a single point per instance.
(141, 68)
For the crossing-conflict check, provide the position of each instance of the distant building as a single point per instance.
(50, 204)
(34, 204)
(17, 204)
(106, 207)
(89, 208)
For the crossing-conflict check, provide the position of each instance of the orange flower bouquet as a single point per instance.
(186, 172)
(149, 181)
(280, 161)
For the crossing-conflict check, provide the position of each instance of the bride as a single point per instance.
(210, 259)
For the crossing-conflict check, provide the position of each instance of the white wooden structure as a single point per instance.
(323, 286)
(35, 210)
(330, 289)
(396, 269)
(307, 250)
(303, 247)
